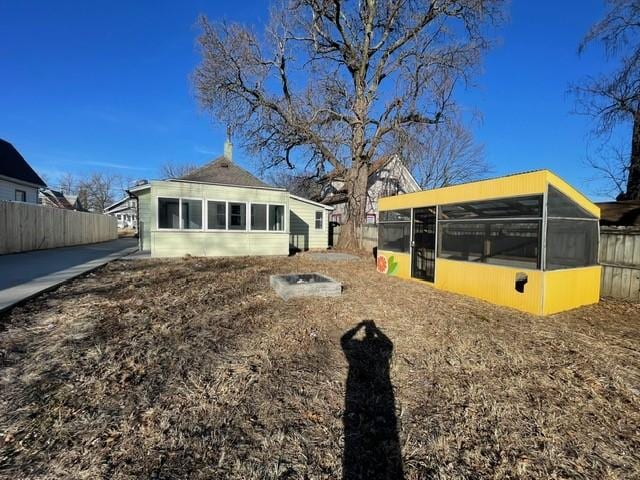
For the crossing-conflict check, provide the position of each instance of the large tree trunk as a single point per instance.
(633, 180)
(356, 184)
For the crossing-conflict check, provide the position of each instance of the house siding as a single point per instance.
(303, 233)
(145, 219)
(8, 191)
(171, 243)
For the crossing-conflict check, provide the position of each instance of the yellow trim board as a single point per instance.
(517, 185)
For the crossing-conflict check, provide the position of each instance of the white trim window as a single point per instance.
(168, 213)
(259, 216)
(179, 213)
(191, 214)
(276, 218)
(216, 215)
(319, 220)
(237, 216)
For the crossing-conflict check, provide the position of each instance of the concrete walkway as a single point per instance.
(25, 275)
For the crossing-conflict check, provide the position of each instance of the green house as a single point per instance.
(221, 209)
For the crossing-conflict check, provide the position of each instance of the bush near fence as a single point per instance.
(27, 226)
(619, 257)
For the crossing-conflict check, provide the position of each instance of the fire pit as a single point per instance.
(305, 285)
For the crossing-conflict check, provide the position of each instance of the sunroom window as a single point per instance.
(216, 215)
(169, 213)
(191, 214)
(258, 216)
(276, 218)
(237, 216)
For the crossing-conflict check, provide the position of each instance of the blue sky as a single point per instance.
(104, 86)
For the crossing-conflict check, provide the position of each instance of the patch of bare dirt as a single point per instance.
(194, 368)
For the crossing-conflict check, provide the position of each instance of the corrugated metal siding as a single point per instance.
(495, 284)
(516, 185)
(620, 260)
(510, 186)
(571, 288)
(303, 232)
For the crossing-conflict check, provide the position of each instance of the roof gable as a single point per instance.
(223, 171)
(13, 165)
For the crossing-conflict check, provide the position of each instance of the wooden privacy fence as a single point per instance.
(620, 260)
(27, 226)
(368, 233)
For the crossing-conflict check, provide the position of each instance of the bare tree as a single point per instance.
(304, 184)
(67, 183)
(615, 99)
(100, 190)
(332, 82)
(176, 170)
(445, 155)
(610, 166)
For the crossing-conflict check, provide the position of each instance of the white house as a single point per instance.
(387, 177)
(18, 181)
(125, 211)
(220, 209)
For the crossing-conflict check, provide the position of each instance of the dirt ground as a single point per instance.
(193, 368)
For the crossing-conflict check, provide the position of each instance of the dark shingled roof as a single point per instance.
(223, 171)
(622, 213)
(13, 165)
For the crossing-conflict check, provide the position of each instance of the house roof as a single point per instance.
(115, 205)
(223, 171)
(310, 202)
(13, 165)
(623, 213)
(56, 198)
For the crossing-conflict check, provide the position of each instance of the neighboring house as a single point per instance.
(126, 213)
(620, 213)
(387, 177)
(56, 199)
(221, 209)
(18, 181)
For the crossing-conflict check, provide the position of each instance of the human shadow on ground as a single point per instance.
(371, 444)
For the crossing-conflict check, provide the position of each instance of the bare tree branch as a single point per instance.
(332, 83)
(614, 99)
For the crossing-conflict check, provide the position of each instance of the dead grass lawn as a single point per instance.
(193, 368)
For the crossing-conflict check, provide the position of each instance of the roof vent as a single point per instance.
(224, 165)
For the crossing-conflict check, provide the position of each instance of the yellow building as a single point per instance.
(527, 241)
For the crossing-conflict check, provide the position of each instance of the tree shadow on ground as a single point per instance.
(371, 444)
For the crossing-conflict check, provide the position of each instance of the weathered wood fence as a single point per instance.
(369, 235)
(619, 257)
(620, 260)
(26, 226)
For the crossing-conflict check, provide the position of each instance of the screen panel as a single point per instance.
(571, 243)
(512, 207)
(493, 242)
(559, 205)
